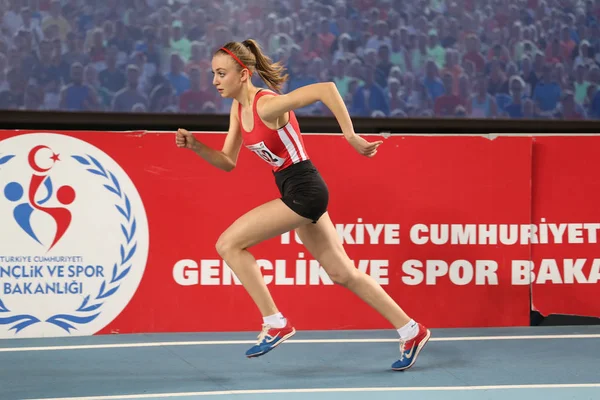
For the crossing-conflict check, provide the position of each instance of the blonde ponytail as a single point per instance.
(272, 73)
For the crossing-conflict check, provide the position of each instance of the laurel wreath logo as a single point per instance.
(89, 308)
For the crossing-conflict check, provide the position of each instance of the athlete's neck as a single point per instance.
(246, 95)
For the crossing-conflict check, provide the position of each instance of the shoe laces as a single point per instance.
(265, 330)
(402, 344)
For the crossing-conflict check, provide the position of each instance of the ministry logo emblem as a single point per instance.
(74, 238)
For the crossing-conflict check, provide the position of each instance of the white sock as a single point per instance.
(409, 330)
(275, 320)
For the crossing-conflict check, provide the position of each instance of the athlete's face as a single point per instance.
(227, 77)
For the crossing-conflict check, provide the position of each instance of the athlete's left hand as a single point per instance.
(364, 147)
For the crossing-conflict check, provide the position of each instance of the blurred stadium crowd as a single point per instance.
(388, 58)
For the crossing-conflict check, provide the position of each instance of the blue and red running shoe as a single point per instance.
(270, 338)
(410, 349)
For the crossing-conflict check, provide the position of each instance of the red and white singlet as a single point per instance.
(278, 147)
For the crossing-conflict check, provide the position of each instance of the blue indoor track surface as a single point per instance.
(510, 363)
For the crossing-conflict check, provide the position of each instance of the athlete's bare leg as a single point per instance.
(323, 243)
(264, 222)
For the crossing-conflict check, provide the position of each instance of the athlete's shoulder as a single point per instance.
(267, 92)
(266, 98)
(265, 95)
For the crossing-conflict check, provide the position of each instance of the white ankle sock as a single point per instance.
(409, 330)
(275, 320)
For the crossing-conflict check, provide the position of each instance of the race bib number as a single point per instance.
(261, 150)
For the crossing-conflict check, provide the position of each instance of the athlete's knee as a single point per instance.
(226, 246)
(343, 276)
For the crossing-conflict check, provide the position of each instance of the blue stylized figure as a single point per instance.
(22, 213)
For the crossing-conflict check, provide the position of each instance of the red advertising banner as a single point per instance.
(114, 232)
(566, 262)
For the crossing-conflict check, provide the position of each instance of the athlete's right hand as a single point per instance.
(185, 139)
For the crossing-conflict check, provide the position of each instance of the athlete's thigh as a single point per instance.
(261, 223)
(323, 243)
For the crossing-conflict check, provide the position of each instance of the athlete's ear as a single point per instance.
(246, 74)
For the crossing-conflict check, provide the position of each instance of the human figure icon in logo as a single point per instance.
(22, 213)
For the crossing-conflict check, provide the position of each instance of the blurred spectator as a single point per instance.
(370, 97)
(547, 92)
(112, 78)
(193, 99)
(12, 20)
(176, 77)
(162, 99)
(33, 98)
(130, 95)
(77, 95)
(515, 108)
(13, 96)
(90, 78)
(432, 82)
(55, 18)
(446, 104)
(179, 43)
(568, 108)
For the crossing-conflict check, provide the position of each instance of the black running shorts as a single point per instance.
(303, 190)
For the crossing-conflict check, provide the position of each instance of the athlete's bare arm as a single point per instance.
(226, 159)
(271, 108)
(233, 141)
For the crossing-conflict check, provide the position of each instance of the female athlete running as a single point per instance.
(265, 123)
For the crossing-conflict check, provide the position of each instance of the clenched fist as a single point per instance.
(185, 139)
